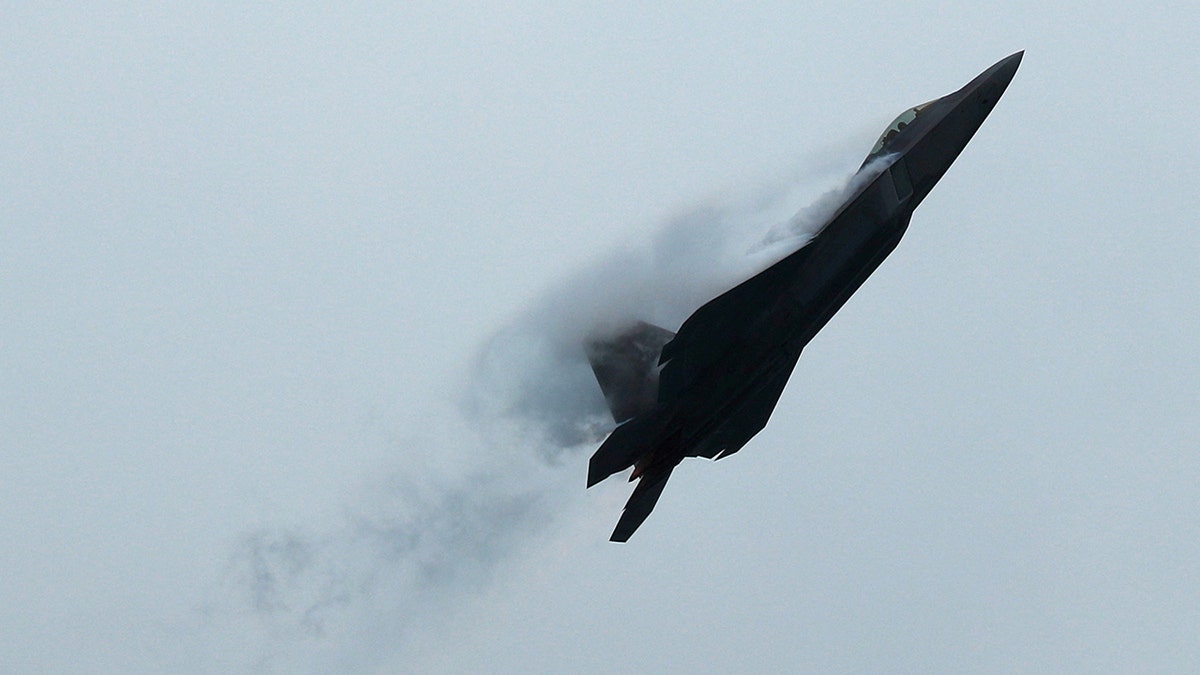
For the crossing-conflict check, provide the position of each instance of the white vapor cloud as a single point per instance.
(291, 301)
(507, 453)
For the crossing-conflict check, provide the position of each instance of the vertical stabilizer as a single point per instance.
(626, 368)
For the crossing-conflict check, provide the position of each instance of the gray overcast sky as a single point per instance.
(281, 289)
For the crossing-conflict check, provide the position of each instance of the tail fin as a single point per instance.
(640, 504)
(626, 368)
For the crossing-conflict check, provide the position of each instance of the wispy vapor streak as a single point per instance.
(529, 412)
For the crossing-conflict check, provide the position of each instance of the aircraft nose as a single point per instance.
(968, 107)
(1006, 68)
(990, 85)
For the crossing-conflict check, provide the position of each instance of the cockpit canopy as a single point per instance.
(906, 118)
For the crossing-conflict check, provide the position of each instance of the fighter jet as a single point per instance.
(707, 389)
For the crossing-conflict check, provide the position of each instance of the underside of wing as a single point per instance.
(750, 416)
(719, 325)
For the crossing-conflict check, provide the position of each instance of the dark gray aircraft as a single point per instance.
(708, 389)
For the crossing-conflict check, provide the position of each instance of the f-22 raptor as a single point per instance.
(706, 390)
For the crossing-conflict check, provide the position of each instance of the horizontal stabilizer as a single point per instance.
(626, 368)
(624, 446)
(640, 504)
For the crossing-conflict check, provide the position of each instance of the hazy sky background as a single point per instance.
(286, 296)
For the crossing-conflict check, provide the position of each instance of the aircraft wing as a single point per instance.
(720, 325)
(750, 415)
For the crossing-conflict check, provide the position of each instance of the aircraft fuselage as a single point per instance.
(719, 377)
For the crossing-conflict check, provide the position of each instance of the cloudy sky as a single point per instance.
(288, 300)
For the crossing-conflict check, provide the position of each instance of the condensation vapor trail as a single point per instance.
(530, 412)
